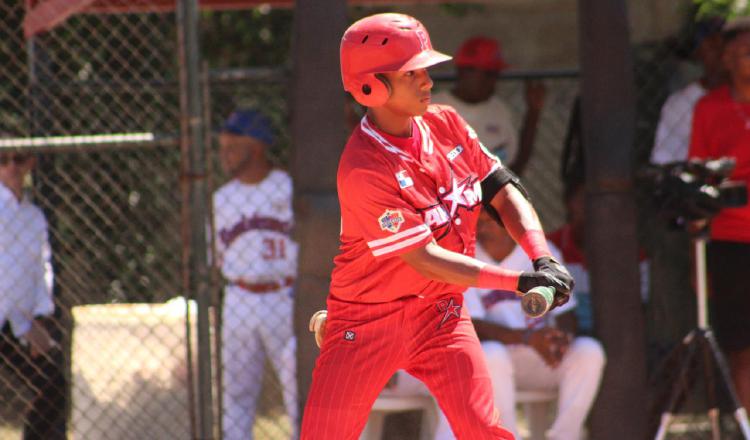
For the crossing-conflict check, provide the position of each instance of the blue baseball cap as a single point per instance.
(249, 123)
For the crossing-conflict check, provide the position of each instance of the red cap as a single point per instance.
(481, 53)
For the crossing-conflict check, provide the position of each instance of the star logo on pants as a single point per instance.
(448, 308)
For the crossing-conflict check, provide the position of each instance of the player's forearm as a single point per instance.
(439, 264)
(516, 212)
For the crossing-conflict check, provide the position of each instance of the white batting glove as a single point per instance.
(318, 325)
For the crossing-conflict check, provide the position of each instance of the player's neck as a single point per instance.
(390, 122)
(713, 79)
(254, 173)
(15, 186)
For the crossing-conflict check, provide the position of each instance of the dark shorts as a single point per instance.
(728, 268)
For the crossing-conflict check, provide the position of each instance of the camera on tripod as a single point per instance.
(685, 192)
(695, 189)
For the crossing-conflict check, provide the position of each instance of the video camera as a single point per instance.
(695, 189)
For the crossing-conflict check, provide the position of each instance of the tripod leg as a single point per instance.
(739, 411)
(679, 387)
(710, 376)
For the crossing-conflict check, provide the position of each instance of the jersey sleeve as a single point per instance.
(666, 144)
(483, 161)
(43, 304)
(373, 210)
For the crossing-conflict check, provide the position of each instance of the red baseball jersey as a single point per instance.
(397, 194)
(721, 127)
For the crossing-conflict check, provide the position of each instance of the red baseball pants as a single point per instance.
(365, 344)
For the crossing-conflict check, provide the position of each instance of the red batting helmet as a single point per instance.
(383, 43)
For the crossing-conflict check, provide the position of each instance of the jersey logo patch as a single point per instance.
(448, 309)
(349, 335)
(391, 220)
(404, 181)
(455, 152)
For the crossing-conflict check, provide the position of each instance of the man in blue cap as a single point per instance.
(253, 221)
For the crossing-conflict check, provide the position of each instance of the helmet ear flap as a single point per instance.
(371, 91)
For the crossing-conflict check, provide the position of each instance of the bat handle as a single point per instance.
(537, 301)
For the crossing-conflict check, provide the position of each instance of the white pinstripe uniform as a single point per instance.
(258, 258)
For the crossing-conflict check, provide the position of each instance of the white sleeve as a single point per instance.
(44, 305)
(675, 124)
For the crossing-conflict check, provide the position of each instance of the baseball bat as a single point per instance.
(537, 301)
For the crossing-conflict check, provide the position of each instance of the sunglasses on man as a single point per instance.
(18, 159)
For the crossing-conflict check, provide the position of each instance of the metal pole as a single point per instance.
(192, 123)
(608, 119)
(701, 281)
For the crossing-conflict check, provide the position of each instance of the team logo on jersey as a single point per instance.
(455, 152)
(466, 193)
(436, 216)
(449, 309)
(349, 335)
(404, 181)
(391, 220)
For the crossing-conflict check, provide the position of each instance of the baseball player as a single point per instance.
(258, 258)
(411, 182)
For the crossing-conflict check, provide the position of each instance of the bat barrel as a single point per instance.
(537, 301)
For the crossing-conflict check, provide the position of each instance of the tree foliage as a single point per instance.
(247, 38)
(722, 8)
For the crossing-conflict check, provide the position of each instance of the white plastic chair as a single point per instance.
(536, 409)
(386, 404)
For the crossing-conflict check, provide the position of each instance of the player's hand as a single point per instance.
(529, 280)
(318, 326)
(553, 267)
(40, 342)
(551, 344)
(535, 93)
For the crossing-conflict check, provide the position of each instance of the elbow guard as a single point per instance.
(494, 183)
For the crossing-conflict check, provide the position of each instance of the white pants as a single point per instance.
(520, 367)
(256, 326)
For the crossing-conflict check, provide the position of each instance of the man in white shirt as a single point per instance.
(26, 278)
(673, 132)
(478, 62)
(253, 222)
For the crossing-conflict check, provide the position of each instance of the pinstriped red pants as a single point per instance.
(433, 339)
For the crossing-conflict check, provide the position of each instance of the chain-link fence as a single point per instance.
(90, 120)
(91, 134)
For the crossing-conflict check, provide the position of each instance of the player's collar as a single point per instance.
(424, 131)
